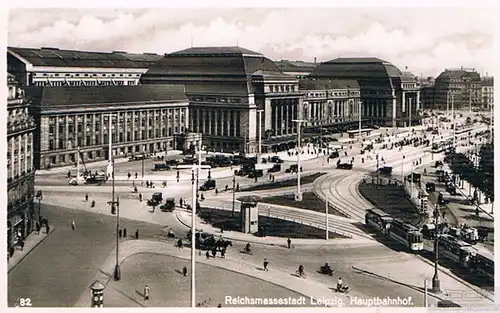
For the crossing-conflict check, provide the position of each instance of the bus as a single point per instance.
(407, 235)
(484, 266)
(378, 219)
(458, 251)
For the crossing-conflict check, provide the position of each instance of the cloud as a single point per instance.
(425, 40)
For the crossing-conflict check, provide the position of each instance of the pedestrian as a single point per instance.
(124, 233)
(184, 271)
(179, 244)
(120, 233)
(146, 293)
(135, 175)
(21, 245)
(73, 225)
(180, 202)
(207, 255)
(129, 175)
(47, 228)
(289, 242)
(140, 197)
(223, 253)
(137, 234)
(86, 197)
(266, 263)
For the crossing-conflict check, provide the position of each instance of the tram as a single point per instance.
(458, 251)
(378, 219)
(406, 234)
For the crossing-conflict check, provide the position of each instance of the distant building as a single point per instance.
(488, 92)
(389, 97)
(427, 100)
(462, 85)
(57, 67)
(226, 86)
(330, 103)
(145, 119)
(20, 174)
(298, 69)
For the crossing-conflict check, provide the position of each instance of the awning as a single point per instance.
(16, 219)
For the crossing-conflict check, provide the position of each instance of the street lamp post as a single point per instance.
(234, 193)
(402, 173)
(453, 120)
(115, 205)
(259, 159)
(298, 196)
(326, 220)
(436, 284)
(193, 167)
(110, 168)
(359, 115)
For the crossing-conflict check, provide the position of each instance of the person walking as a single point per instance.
(86, 197)
(120, 233)
(137, 234)
(266, 263)
(140, 197)
(146, 292)
(184, 271)
(73, 225)
(207, 255)
(289, 242)
(124, 233)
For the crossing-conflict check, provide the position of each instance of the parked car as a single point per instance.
(161, 167)
(208, 185)
(256, 173)
(169, 206)
(293, 169)
(344, 166)
(386, 170)
(430, 187)
(156, 199)
(275, 168)
(276, 159)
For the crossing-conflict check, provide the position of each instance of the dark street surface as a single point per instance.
(60, 268)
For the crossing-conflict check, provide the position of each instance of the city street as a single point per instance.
(56, 272)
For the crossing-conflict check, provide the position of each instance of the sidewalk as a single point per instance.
(98, 164)
(30, 243)
(308, 287)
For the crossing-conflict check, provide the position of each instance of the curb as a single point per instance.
(22, 258)
(460, 280)
(416, 288)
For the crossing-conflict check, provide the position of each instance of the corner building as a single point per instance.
(20, 171)
(145, 119)
(226, 86)
(389, 97)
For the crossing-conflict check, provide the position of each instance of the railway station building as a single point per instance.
(226, 86)
(389, 97)
(144, 119)
(57, 67)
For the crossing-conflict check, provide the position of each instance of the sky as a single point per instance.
(426, 40)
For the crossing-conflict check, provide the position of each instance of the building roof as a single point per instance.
(487, 81)
(357, 68)
(61, 96)
(296, 66)
(212, 69)
(325, 84)
(458, 74)
(73, 58)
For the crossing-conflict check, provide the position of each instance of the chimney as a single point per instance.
(314, 60)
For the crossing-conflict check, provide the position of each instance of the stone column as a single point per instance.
(102, 129)
(403, 104)
(66, 131)
(281, 118)
(26, 152)
(293, 109)
(418, 100)
(56, 130)
(132, 131)
(125, 126)
(19, 145)
(147, 125)
(203, 119)
(228, 124)
(92, 138)
(275, 110)
(12, 149)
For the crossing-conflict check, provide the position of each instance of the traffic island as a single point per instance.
(390, 196)
(283, 183)
(310, 201)
(224, 220)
